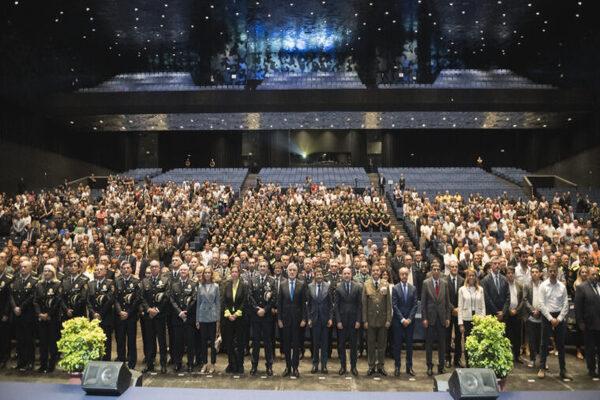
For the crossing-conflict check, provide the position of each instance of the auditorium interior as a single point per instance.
(412, 102)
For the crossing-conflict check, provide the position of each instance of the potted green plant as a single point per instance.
(81, 341)
(487, 347)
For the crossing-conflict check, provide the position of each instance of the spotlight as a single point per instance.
(304, 155)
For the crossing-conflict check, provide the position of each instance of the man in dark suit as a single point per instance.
(261, 301)
(348, 313)
(514, 315)
(320, 319)
(587, 307)
(22, 291)
(496, 292)
(418, 270)
(154, 305)
(404, 304)
(396, 263)
(139, 266)
(47, 304)
(101, 298)
(436, 310)
(455, 282)
(291, 318)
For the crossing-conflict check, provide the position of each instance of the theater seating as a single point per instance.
(233, 177)
(155, 82)
(329, 176)
(514, 175)
(311, 80)
(139, 174)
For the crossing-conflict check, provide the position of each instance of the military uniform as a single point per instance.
(22, 292)
(5, 313)
(377, 312)
(75, 295)
(128, 297)
(101, 298)
(48, 300)
(155, 293)
(183, 298)
(262, 295)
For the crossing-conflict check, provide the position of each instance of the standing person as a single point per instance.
(208, 313)
(47, 304)
(514, 322)
(348, 314)
(533, 315)
(21, 302)
(235, 295)
(183, 303)
(320, 319)
(101, 299)
(554, 305)
(436, 310)
(74, 292)
(471, 302)
(377, 316)
(261, 301)
(587, 307)
(6, 280)
(497, 294)
(128, 296)
(455, 282)
(291, 318)
(404, 304)
(155, 306)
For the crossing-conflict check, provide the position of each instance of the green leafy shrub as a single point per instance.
(487, 346)
(81, 341)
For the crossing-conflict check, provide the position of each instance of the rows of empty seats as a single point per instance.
(226, 176)
(512, 174)
(329, 176)
(465, 181)
(315, 80)
(155, 81)
(139, 174)
(484, 79)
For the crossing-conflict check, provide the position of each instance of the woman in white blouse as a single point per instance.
(470, 303)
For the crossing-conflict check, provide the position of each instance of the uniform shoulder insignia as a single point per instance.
(9, 276)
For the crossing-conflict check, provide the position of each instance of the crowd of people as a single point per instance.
(290, 265)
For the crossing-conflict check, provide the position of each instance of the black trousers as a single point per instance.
(468, 325)
(592, 350)
(156, 329)
(437, 331)
(262, 329)
(559, 333)
(108, 329)
(184, 337)
(348, 334)
(24, 326)
(403, 335)
(48, 332)
(534, 336)
(233, 337)
(457, 341)
(514, 326)
(291, 342)
(206, 337)
(320, 344)
(126, 336)
(5, 338)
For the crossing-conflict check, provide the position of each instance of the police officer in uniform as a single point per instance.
(127, 300)
(6, 280)
(48, 304)
(183, 301)
(261, 301)
(101, 298)
(155, 303)
(74, 292)
(21, 301)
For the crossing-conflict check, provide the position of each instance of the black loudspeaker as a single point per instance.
(473, 383)
(106, 378)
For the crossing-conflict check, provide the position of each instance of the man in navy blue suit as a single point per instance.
(320, 319)
(404, 303)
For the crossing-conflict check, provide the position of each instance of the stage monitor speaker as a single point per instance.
(473, 383)
(106, 378)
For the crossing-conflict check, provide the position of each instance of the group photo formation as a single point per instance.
(235, 198)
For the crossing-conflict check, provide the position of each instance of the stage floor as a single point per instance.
(521, 379)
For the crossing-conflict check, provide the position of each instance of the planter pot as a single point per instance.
(502, 384)
(75, 378)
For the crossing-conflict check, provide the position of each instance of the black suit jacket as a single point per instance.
(587, 306)
(454, 293)
(495, 300)
(348, 307)
(240, 301)
(291, 312)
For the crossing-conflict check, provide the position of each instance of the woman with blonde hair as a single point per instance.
(208, 313)
(471, 302)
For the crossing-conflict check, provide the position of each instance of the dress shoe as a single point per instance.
(29, 367)
(190, 368)
(441, 371)
(429, 371)
(397, 371)
(42, 370)
(51, 369)
(241, 370)
(371, 371)
(177, 367)
(286, 372)
(295, 373)
(269, 371)
(458, 364)
(149, 368)
(410, 372)
(314, 369)
(253, 370)
(564, 375)
(163, 369)
(324, 370)
(382, 371)
(448, 364)
(342, 371)
(228, 369)
(354, 371)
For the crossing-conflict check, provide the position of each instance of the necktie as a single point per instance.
(437, 289)
(318, 289)
(405, 293)
(348, 288)
(376, 285)
(497, 283)
(262, 281)
(292, 289)
(454, 283)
